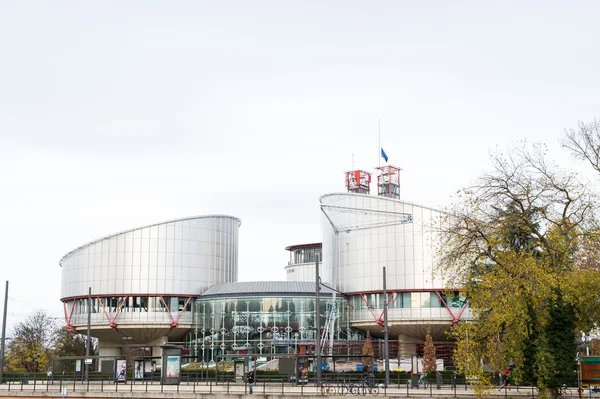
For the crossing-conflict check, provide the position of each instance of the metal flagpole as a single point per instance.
(379, 149)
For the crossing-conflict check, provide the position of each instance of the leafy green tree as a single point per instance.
(429, 363)
(521, 244)
(557, 365)
(31, 346)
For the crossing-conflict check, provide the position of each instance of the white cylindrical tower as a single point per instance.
(369, 240)
(361, 235)
(144, 280)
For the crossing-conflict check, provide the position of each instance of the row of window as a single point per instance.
(175, 304)
(305, 255)
(407, 300)
(131, 304)
(264, 305)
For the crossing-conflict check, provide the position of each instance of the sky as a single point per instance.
(115, 115)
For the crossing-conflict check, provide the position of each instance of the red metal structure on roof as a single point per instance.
(358, 181)
(388, 181)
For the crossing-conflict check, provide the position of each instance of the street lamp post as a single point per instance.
(87, 339)
(318, 323)
(386, 343)
(3, 332)
(126, 339)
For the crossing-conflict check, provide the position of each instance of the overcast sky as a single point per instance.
(119, 114)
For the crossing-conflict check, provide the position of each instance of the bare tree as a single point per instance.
(584, 143)
(520, 204)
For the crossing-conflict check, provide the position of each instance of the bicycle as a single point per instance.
(346, 387)
(327, 389)
(564, 392)
(364, 387)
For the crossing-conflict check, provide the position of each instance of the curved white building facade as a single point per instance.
(144, 280)
(364, 233)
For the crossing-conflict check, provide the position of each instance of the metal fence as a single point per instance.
(332, 384)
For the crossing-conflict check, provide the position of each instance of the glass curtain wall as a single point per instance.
(262, 325)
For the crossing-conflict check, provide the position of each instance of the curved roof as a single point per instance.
(322, 197)
(144, 227)
(266, 288)
(313, 245)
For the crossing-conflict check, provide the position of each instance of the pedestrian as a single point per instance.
(505, 379)
(422, 379)
(250, 380)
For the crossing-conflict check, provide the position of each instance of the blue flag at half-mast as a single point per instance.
(384, 155)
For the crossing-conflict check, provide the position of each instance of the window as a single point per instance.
(401, 300)
(454, 299)
(434, 300)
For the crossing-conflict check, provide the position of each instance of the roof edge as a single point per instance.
(323, 285)
(144, 227)
(322, 197)
(297, 246)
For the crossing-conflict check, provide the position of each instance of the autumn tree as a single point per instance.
(368, 355)
(429, 363)
(31, 344)
(514, 243)
(401, 350)
(595, 347)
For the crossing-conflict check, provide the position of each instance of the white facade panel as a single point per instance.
(181, 257)
(301, 272)
(368, 240)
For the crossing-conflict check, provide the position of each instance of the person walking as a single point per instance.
(422, 381)
(250, 380)
(505, 379)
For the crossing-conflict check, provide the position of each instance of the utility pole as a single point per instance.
(3, 333)
(127, 339)
(386, 343)
(87, 341)
(318, 323)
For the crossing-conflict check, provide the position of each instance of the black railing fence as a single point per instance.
(270, 383)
